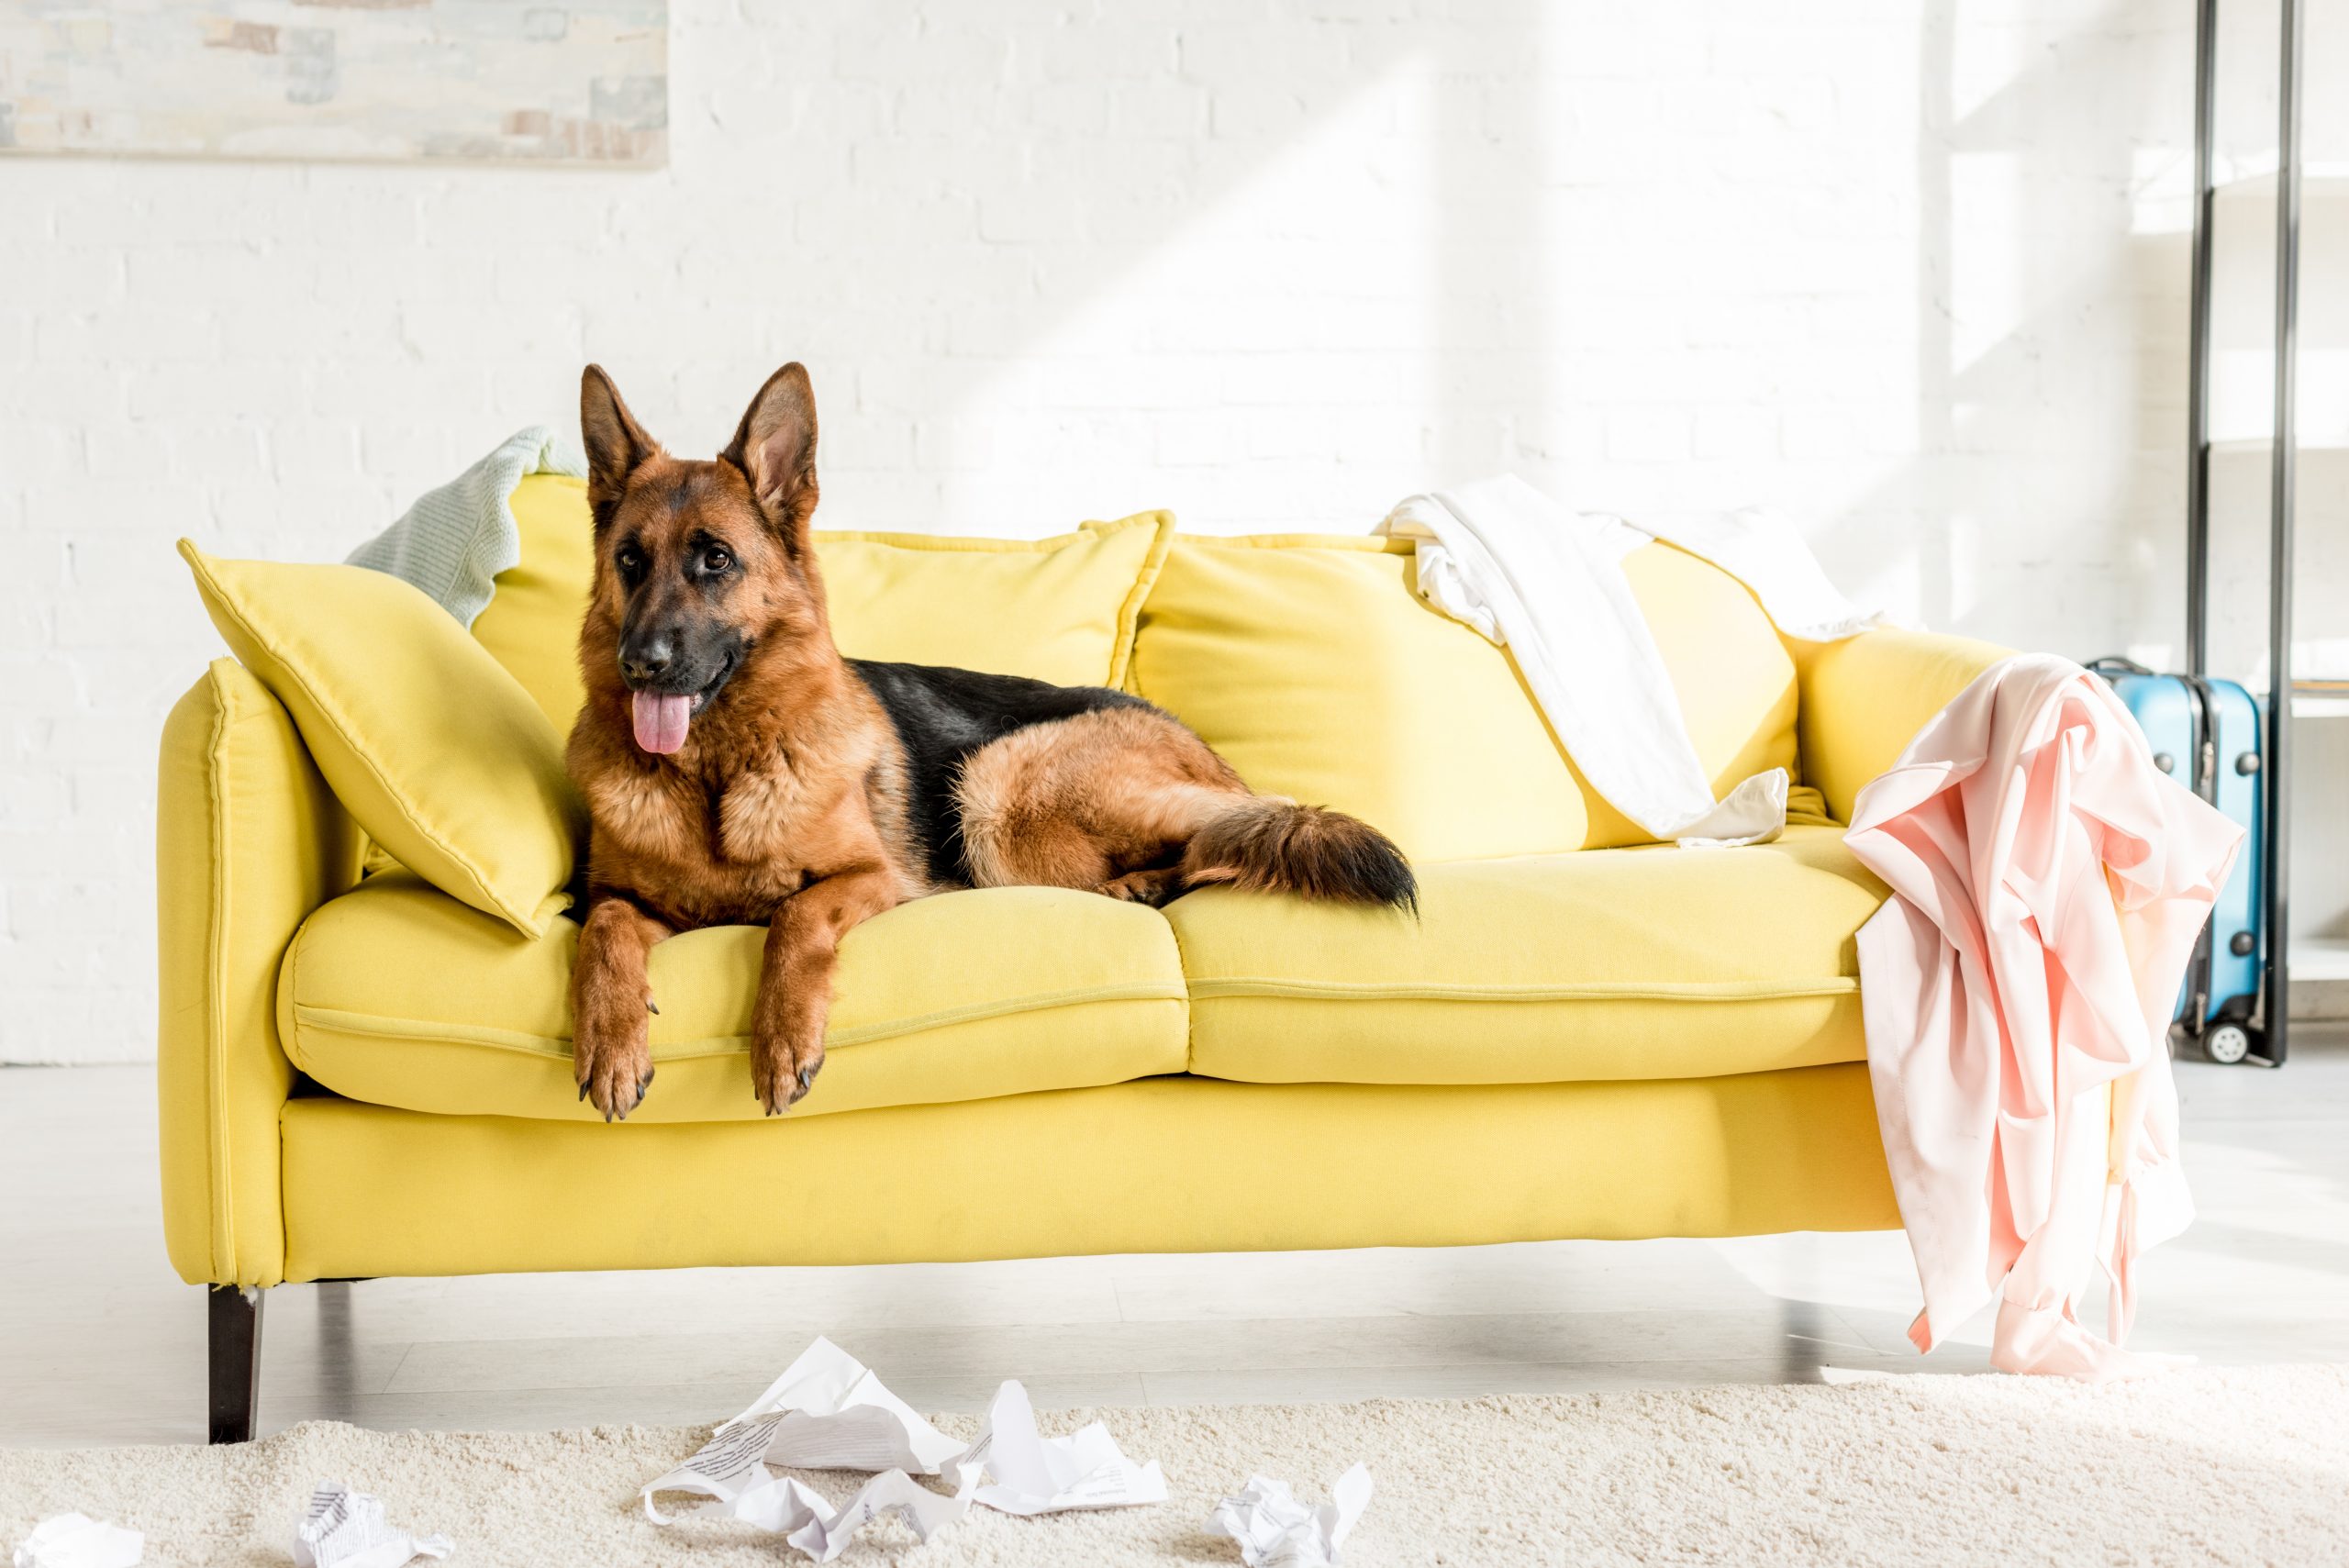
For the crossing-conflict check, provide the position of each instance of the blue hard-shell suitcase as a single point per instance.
(2205, 734)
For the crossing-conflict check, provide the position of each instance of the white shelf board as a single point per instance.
(2255, 180)
(2259, 446)
(2305, 705)
(2318, 958)
(2243, 393)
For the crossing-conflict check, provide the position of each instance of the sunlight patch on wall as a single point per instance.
(1989, 281)
(1284, 328)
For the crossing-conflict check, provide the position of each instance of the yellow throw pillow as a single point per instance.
(441, 756)
(1059, 610)
(1310, 661)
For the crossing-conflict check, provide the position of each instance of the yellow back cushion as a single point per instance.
(1312, 665)
(531, 623)
(1059, 610)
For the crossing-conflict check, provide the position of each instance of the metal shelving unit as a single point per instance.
(2277, 773)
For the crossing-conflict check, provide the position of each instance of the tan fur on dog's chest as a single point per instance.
(723, 833)
(698, 851)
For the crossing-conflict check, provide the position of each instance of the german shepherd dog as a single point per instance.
(738, 771)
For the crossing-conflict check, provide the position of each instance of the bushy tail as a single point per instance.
(1270, 844)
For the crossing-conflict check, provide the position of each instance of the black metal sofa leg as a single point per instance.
(235, 1334)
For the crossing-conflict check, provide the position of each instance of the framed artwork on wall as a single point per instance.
(481, 80)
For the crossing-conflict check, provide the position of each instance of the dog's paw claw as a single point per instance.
(650, 1006)
(613, 1074)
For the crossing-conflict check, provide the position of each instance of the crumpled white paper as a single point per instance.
(829, 1412)
(1275, 1530)
(77, 1540)
(800, 1515)
(343, 1529)
(1046, 1475)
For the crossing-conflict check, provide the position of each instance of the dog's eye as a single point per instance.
(717, 558)
(629, 559)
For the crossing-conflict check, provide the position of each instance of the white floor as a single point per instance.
(101, 1343)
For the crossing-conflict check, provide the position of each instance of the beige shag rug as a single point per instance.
(2248, 1466)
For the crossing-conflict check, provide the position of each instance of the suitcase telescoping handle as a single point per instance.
(2202, 766)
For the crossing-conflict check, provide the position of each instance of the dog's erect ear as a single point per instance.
(616, 443)
(775, 447)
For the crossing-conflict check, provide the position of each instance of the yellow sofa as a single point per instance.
(1580, 1036)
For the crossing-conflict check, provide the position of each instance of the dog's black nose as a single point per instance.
(649, 659)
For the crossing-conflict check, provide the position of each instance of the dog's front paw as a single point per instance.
(611, 1057)
(782, 1070)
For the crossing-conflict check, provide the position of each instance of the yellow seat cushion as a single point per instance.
(395, 995)
(1312, 665)
(1059, 610)
(442, 757)
(1650, 962)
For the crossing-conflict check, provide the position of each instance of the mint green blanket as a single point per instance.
(454, 540)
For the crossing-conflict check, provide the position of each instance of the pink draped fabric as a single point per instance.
(2048, 883)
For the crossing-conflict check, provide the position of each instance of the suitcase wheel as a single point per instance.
(2226, 1043)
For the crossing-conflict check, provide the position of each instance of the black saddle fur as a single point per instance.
(941, 715)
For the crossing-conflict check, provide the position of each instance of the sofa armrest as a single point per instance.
(1864, 699)
(248, 841)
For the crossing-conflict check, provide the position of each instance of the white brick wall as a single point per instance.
(1270, 262)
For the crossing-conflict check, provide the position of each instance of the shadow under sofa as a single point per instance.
(360, 1076)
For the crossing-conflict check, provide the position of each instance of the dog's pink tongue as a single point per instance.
(660, 721)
